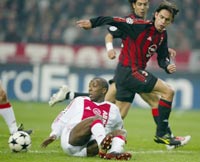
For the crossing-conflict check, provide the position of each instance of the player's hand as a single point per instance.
(171, 68)
(111, 54)
(172, 52)
(86, 24)
(49, 140)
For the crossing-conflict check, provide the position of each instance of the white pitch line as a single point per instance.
(162, 152)
(133, 152)
(43, 152)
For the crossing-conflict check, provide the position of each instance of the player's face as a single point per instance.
(96, 92)
(162, 19)
(141, 7)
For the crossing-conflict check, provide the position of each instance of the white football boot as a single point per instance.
(184, 140)
(59, 96)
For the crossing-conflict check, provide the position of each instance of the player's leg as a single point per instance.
(9, 117)
(59, 96)
(92, 148)
(164, 107)
(123, 107)
(115, 149)
(163, 133)
(110, 95)
(7, 112)
(64, 93)
(143, 81)
(82, 132)
(114, 141)
(118, 140)
(89, 150)
(76, 141)
(152, 99)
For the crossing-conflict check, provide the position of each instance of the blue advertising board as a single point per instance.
(38, 82)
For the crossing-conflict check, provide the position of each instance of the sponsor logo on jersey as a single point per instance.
(151, 50)
(105, 117)
(97, 111)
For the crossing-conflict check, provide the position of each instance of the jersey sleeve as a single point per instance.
(115, 32)
(124, 24)
(57, 126)
(66, 116)
(101, 20)
(163, 55)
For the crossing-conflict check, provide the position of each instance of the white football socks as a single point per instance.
(7, 112)
(98, 131)
(118, 143)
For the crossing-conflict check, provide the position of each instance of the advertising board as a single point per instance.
(37, 82)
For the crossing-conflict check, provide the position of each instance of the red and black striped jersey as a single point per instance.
(140, 41)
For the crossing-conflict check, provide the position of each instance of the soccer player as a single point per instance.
(131, 76)
(90, 125)
(139, 8)
(6, 111)
(139, 11)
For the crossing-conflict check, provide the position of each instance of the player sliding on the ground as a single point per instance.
(91, 126)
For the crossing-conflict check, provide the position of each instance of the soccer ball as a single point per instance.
(20, 141)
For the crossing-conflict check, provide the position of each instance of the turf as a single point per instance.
(139, 124)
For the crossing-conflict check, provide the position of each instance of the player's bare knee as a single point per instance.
(3, 96)
(169, 93)
(153, 102)
(123, 115)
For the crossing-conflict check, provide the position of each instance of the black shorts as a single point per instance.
(128, 84)
(111, 81)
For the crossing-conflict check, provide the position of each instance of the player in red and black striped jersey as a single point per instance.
(139, 10)
(143, 39)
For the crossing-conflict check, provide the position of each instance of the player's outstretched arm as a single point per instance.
(47, 141)
(172, 52)
(109, 46)
(171, 68)
(85, 24)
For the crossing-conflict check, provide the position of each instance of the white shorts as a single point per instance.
(68, 148)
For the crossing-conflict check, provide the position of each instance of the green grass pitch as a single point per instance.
(139, 124)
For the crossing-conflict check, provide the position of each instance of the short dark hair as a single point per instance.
(131, 3)
(131, 7)
(170, 6)
(103, 82)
